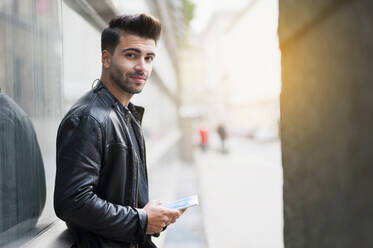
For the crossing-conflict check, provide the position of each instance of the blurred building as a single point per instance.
(50, 55)
(31, 55)
(232, 69)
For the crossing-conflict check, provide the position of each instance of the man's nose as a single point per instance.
(140, 65)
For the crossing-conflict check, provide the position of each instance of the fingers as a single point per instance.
(173, 216)
(159, 217)
(154, 229)
(182, 211)
(164, 224)
(172, 221)
(176, 215)
(155, 203)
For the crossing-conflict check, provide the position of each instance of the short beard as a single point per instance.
(123, 84)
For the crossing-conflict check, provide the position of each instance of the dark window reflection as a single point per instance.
(22, 188)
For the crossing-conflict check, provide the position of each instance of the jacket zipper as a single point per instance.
(137, 178)
(138, 170)
(137, 185)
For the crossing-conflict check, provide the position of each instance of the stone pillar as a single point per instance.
(327, 122)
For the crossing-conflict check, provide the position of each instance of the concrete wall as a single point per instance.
(326, 122)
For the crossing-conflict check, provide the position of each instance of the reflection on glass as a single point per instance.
(22, 188)
(31, 83)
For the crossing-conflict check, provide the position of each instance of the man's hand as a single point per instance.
(159, 217)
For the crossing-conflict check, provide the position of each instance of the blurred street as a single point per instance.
(217, 75)
(220, 83)
(240, 197)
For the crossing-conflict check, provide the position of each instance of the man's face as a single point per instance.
(132, 62)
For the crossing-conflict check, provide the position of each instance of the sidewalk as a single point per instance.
(241, 195)
(168, 183)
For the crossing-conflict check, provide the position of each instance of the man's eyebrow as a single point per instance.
(151, 53)
(137, 51)
(131, 49)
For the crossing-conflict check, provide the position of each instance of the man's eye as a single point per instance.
(130, 55)
(149, 59)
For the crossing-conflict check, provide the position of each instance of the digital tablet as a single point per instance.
(183, 203)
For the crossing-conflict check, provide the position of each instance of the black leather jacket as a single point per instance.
(97, 178)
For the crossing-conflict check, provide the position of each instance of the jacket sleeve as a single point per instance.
(79, 160)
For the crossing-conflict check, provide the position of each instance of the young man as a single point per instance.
(101, 189)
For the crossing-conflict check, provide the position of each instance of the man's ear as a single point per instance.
(106, 59)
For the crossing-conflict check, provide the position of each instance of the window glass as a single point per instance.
(31, 103)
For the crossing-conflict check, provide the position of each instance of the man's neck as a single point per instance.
(122, 96)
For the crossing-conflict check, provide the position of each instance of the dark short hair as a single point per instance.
(142, 25)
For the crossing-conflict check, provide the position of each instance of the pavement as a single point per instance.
(240, 195)
(172, 182)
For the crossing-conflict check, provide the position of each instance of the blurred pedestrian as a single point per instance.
(203, 138)
(222, 132)
(101, 188)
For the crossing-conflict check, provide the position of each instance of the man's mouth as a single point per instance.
(138, 78)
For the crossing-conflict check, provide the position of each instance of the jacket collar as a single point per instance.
(137, 111)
